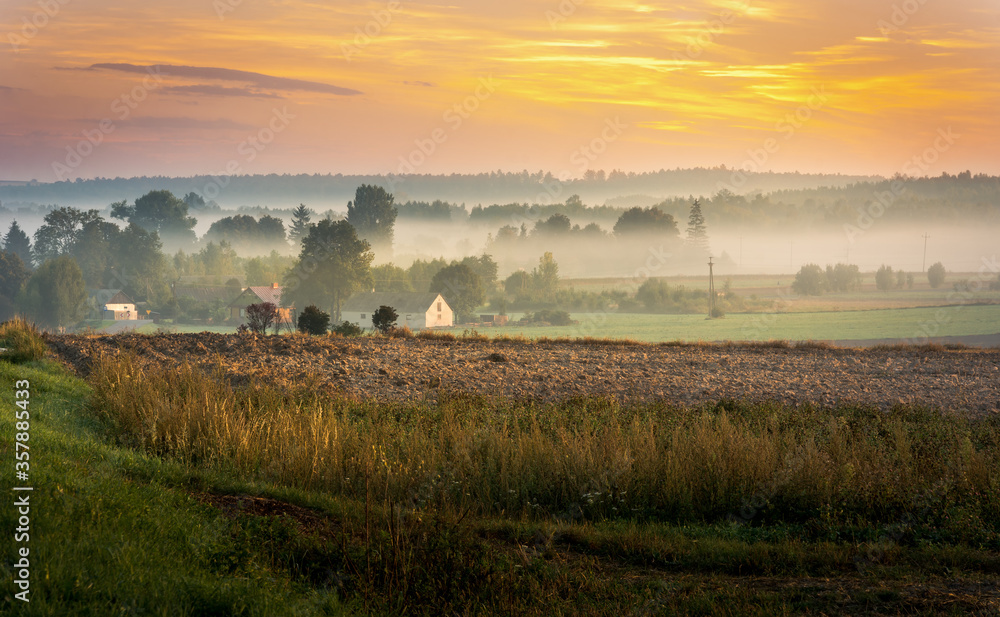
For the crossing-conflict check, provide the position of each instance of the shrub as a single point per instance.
(403, 332)
(549, 316)
(22, 341)
(885, 279)
(313, 321)
(935, 275)
(347, 328)
(260, 316)
(810, 281)
(384, 319)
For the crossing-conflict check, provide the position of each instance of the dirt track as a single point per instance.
(400, 369)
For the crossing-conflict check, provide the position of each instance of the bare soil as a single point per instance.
(965, 380)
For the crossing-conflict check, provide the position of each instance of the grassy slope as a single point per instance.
(118, 532)
(122, 532)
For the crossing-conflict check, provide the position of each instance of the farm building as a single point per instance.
(112, 304)
(256, 295)
(416, 310)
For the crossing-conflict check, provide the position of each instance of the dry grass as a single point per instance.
(22, 341)
(584, 458)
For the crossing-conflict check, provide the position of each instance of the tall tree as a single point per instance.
(55, 295)
(697, 234)
(545, 278)
(13, 275)
(92, 250)
(139, 265)
(59, 231)
(162, 212)
(300, 225)
(17, 242)
(333, 264)
(373, 215)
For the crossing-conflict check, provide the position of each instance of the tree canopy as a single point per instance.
(161, 212)
(333, 264)
(59, 231)
(56, 295)
(249, 235)
(652, 220)
(373, 215)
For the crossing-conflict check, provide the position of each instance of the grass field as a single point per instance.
(163, 491)
(903, 324)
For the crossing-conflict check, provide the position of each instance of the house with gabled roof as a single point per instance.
(111, 304)
(257, 295)
(415, 310)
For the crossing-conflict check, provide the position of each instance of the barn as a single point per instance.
(416, 310)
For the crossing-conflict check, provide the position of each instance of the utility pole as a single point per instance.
(711, 290)
(923, 265)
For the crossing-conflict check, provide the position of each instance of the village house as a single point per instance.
(111, 304)
(257, 295)
(415, 310)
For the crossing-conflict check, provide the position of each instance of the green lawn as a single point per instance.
(900, 324)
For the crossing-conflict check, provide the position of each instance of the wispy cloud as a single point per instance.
(210, 90)
(249, 77)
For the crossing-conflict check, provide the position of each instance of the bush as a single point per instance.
(810, 281)
(403, 332)
(549, 316)
(261, 316)
(885, 279)
(347, 328)
(935, 275)
(313, 321)
(22, 341)
(384, 319)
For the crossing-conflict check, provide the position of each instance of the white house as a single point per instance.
(112, 304)
(416, 310)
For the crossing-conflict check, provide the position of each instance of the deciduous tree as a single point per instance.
(333, 264)
(55, 295)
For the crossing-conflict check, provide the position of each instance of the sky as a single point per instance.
(102, 88)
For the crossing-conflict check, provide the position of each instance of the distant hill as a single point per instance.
(321, 192)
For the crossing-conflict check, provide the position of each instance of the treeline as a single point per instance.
(840, 201)
(286, 190)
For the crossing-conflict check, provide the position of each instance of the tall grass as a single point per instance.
(21, 340)
(581, 459)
